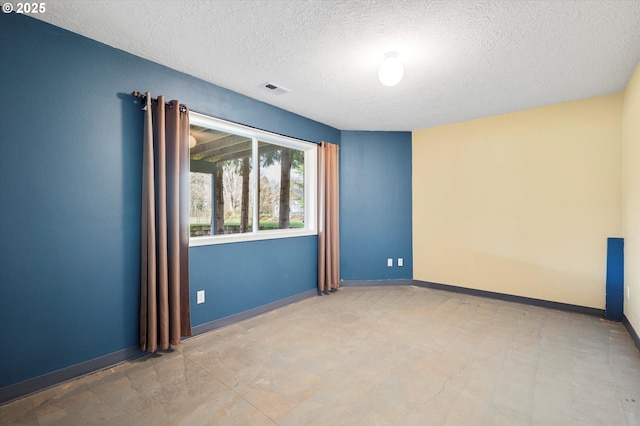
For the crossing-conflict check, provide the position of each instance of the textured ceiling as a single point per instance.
(463, 59)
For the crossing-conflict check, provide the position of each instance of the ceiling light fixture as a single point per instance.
(391, 71)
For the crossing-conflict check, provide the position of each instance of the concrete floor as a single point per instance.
(365, 356)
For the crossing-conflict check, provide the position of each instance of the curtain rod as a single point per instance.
(136, 94)
(183, 108)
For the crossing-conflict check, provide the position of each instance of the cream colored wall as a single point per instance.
(521, 203)
(631, 198)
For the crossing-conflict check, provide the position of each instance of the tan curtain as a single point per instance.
(328, 219)
(164, 305)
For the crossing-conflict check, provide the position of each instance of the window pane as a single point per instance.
(281, 199)
(243, 186)
(221, 199)
(200, 194)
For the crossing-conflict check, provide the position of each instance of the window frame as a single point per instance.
(310, 182)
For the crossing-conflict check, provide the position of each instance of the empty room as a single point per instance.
(321, 212)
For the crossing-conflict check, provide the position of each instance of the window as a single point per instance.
(248, 184)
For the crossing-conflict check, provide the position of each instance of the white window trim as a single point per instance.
(310, 185)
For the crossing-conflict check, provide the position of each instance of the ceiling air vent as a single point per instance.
(274, 88)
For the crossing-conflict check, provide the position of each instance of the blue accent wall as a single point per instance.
(233, 283)
(375, 205)
(70, 138)
(615, 279)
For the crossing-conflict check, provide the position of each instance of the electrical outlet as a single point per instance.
(389, 262)
(400, 262)
(200, 297)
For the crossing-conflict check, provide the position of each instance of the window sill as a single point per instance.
(250, 236)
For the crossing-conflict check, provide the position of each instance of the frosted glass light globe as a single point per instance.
(391, 71)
